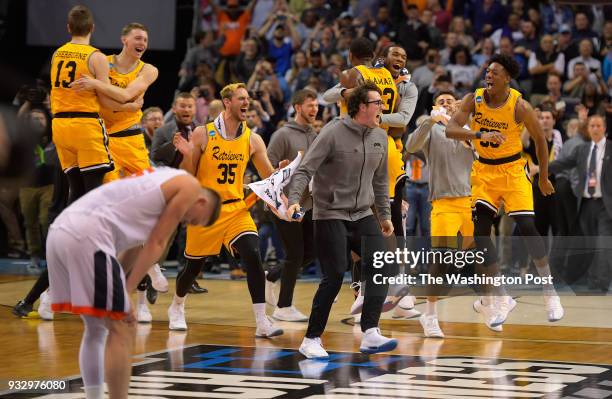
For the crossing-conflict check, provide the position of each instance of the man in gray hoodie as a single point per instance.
(296, 135)
(348, 164)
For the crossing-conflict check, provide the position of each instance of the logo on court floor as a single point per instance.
(213, 371)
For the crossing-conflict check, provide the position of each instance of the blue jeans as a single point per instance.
(420, 209)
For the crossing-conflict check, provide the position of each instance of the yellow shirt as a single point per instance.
(223, 163)
(116, 121)
(500, 119)
(68, 63)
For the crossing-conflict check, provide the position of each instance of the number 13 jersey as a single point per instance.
(70, 62)
(223, 163)
(501, 119)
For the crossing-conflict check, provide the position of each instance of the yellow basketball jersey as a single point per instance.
(68, 63)
(383, 79)
(116, 121)
(223, 163)
(500, 119)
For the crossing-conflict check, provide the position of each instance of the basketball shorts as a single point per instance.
(507, 183)
(395, 165)
(129, 153)
(82, 143)
(449, 217)
(234, 222)
(83, 278)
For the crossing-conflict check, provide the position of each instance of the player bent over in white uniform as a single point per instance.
(117, 228)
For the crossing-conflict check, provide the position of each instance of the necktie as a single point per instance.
(187, 133)
(592, 178)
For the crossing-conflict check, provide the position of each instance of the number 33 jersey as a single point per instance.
(70, 62)
(223, 163)
(501, 119)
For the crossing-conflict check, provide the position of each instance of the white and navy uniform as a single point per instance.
(85, 239)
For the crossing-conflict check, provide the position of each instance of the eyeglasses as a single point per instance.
(377, 102)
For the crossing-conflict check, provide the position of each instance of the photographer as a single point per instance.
(204, 94)
(316, 67)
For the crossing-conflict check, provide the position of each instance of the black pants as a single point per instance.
(334, 240)
(298, 243)
(596, 222)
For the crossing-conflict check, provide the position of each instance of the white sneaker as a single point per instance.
(266, 329)
(176, 317)
(401, 313)
(313, 349)
(289, 313)
(554, 309)
(407, 302)
(143, 315)
(271, 288)
(373, 342)
(158, 280)
(430, 325)
(494, 318)
(44, 306)
(358, 304)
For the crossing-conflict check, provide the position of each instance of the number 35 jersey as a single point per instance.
(70, 62)
(501, 119)
(223, 163)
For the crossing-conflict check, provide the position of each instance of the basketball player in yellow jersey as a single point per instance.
(78, 131)
(217, 155)
(499, 115)
(126, 141)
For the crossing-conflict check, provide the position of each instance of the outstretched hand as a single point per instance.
(183, 146)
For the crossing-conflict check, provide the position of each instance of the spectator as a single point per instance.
(434, 33)
(381, 25)
(586, 57)
(315, 68)
(163, 151)
(414, 36)
(271, 101)
(264, 71)
(506, 48)
(318, 125)
(462, 71)
(423, 75)
(152, 119)
(581, 76)
(307, 25)
(337, 64)
(606, 43)
(284, 41)
(204, 93)
(542, 62)
(233, 23)
(582, 30)
(258, 121)
(592, 100)
(457, 26)
(450, 43)
(322, 10)
(488, 16)
(204, 52)
(262, 10)
(35, 198)
(298, 63)
(442, 17)
(529, 42)
(555, 16)
(441, 81)
(214, 109)
(247, 59)
(533, 14)
(511, 29)
(483, 51)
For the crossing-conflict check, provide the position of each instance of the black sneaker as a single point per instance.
(196, 289)
(151, 293)
(22, 309)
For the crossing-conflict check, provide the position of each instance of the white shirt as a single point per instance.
(601, 148)
(590, 63)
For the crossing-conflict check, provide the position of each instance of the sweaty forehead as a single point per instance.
(496, 67)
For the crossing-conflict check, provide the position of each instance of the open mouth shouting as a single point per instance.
(243, 112)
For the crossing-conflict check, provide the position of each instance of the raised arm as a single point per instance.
(526, 114)
(419, 138)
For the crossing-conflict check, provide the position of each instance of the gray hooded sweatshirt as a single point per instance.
(349, 165)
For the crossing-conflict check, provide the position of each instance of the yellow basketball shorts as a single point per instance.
(507, 183)
(234, 222)
(449, 217)
(395, 165)
(82, 143)
(129, 153)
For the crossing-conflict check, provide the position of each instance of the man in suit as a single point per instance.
(594, 192)
(163, 151)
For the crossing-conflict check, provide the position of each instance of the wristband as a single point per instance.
(478, 135)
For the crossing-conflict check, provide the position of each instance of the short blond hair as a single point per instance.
(229, 90)
(131, 26)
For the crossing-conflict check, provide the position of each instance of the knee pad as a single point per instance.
(533, 240)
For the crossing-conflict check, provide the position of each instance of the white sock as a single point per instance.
(94, 392)
(430, 308)
(141, 297)
(178, 300)
(259, 309)
(544, 271)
